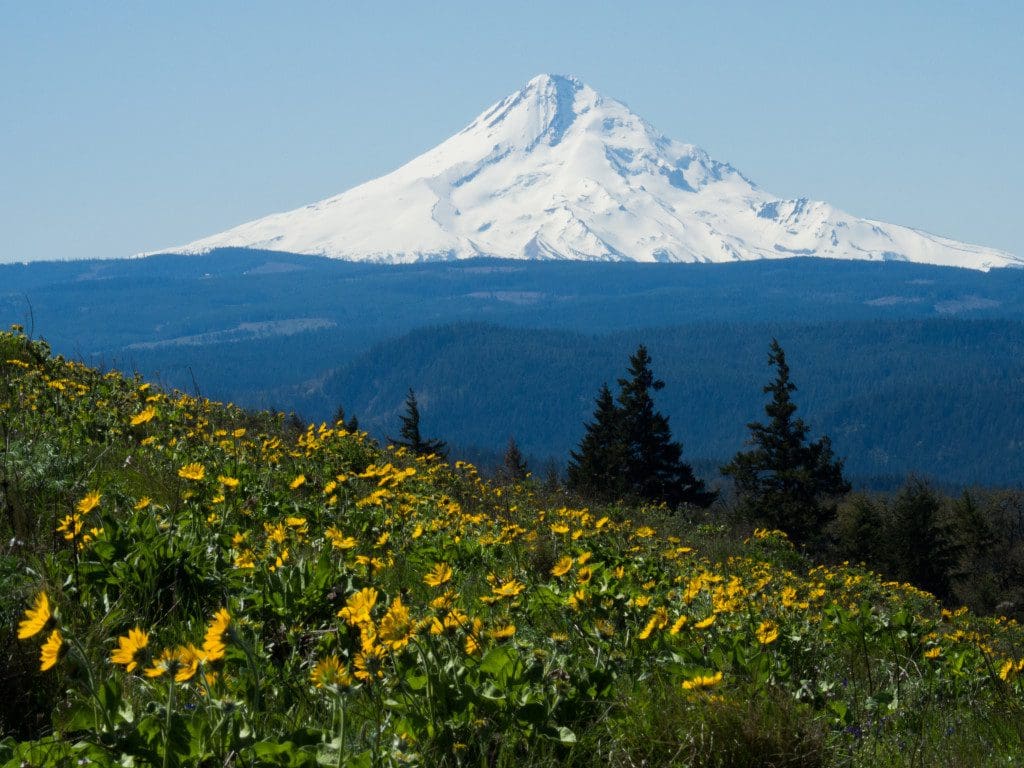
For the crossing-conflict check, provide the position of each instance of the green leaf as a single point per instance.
(565, 735)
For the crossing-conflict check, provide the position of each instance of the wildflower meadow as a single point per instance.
(191, 584)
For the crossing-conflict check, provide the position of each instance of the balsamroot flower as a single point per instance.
(36, 618)
(194, 471)
(358, 606)
(438, 575)
(562, 567)
(88, 503)
(767, 633)
(131, 649)
(701, 682)
(215, 641)
(49, 654)
(397, 627)
(148, 414)
(330, 673)
(182, 663)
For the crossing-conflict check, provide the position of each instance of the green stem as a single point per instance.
(90, 681)
(167, 724)
(341, 731)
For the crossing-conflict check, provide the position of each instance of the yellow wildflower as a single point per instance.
(510, 588)
(358, 606)
(71, 526)
(194, 471)
(189, 658)
(143, 416)
(658, 621)
(36, 618)
(298, 482)
(562, 567)
(502, 633)
(767, 633)
(329, 673)
(49, 654)
(338, 539)
(369, 663)
(88, 503)
(440, 574)
(700, 682)
(1007, 670)
(214, 645)
(245, 559)
(130, 648)
(705, 623)
(397, 627)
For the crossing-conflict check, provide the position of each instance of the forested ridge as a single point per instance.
(898, 362)
(938, 398)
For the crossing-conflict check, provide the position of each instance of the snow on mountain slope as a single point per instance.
(557, 171)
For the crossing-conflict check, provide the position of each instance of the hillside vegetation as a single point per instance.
(191, 584)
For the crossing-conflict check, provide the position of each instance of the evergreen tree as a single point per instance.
(628, 451)
(552, 478)
(514, 466)
(859, 531)
(654, 467)
(339, 416)
(352, 425)
(922, 538)
(410, 432)
(598, 468)
(783, 481)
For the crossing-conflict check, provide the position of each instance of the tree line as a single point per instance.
(965, 550)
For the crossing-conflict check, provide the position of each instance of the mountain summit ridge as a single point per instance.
(558, 171)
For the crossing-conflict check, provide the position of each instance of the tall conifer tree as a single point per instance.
(783, 481)
(628, 451)
(654, 467)
(598, 468)
(514, 465)
(410, 432)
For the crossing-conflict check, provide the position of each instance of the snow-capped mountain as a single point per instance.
(557, 171)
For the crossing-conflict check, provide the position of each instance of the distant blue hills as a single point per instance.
(909, 368)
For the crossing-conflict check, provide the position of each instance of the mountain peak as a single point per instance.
(557, 171)
(545, 80)
(541, 111)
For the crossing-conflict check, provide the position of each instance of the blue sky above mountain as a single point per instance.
(556, 170)
(135, 125)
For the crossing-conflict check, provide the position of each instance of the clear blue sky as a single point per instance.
(131, 126)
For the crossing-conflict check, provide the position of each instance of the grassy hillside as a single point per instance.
(190, 584)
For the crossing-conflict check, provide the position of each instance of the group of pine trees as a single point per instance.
(967, 550)
(627, 454)
(782, 480)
